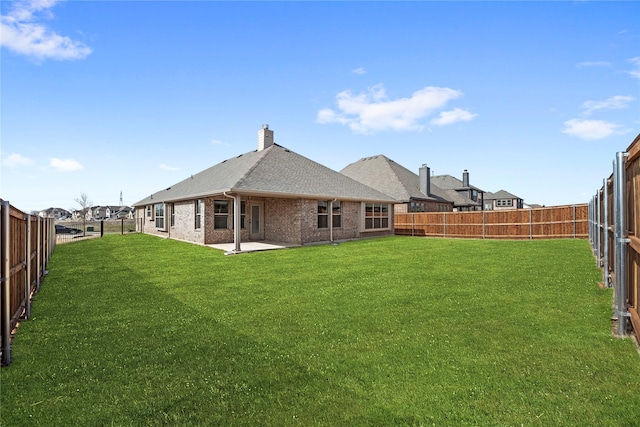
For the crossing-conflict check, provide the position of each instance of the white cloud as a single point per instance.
(168, 168)
(590, 129)
(617, 102)
(586, 64)
(453, 116)
(65, 165)
(216, 142)
(15, 160)
(373, 111)
(24, 34)
(359, 70)
(635, 61)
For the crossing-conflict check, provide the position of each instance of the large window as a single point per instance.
(323, 214)
(376, 216)
(160, 216)
(198, 217)
(221, 214)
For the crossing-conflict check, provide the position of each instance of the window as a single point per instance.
(198, 220)
(243, 214)
(474, 195)
(504, 202)
(220, 214)
(376, 216)
(418, 207)
(323, 214)
(336, 217)
(160, 216)
(149, 211)
(172, 214)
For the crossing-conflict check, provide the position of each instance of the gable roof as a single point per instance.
(274, 171)
(501, 194)
(390, 178)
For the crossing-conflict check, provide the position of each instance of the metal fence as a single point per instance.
(74, 230)
(570, 221)
(614, 233)
(27, 244)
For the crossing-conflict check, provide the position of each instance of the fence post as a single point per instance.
(484, 233)
(27, 292)
(606, 277)
(444, 222)
(620, 227)
(6, 283)
(530, 224)
(412, 223)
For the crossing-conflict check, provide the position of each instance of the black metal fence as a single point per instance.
(74, 230)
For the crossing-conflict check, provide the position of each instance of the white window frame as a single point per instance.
(198, 214)
(159, 209)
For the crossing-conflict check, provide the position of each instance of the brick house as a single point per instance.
(270, 194)
(412, 193)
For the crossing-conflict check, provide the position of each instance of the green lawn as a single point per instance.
(137, 330)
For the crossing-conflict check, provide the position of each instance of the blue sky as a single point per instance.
(99, 97)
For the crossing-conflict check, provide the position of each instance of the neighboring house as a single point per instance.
(412, 193)
(123, 212)
(467, 198)
(77, 214)
(57, 213)
(101, 212)
(502, 200)
(113, 212)
(269, 194)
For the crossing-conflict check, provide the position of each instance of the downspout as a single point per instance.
(236, 221)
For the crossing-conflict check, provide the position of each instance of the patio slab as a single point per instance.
(228, 248)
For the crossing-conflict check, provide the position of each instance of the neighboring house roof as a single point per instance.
(502, 194)
(273, 171)
(448, 182)
(390, 178)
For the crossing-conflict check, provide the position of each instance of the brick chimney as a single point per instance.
(465, 179)
(425, 180)
(265, 138)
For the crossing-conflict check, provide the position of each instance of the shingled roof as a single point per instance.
(390, 178)
(274, 172)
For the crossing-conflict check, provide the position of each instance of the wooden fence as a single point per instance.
(27, 243)
(541, 223)
(614, 233)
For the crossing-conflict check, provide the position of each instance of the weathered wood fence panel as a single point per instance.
(541, 223)
(614, 233)
(27, 243)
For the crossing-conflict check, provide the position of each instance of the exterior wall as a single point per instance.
(292, 221)
(282, 220)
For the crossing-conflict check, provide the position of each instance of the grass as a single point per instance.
(136, 330)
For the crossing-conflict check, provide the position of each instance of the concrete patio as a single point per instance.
(228, 248)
